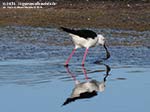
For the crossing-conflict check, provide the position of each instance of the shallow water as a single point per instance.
(33, 78)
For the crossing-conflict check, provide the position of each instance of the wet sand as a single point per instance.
(131, 16)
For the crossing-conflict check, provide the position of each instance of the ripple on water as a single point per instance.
(25, 48)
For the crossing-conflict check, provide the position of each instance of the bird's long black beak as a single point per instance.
(107, 52)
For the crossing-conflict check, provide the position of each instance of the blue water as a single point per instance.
(40, 85)
(33, 77)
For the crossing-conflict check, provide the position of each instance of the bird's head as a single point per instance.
(102, 41)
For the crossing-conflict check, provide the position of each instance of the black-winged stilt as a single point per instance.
(87, 39)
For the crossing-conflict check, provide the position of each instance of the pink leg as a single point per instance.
(67, 61)
(84, 57)
(71, 74)
(85, 74)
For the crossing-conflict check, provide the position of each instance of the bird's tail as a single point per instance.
(66, 30)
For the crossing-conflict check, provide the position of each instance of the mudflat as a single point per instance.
(119, 15)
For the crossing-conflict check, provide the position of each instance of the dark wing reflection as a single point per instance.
(82, 96)
(87, 89)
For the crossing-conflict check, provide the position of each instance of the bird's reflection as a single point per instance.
(87, 89)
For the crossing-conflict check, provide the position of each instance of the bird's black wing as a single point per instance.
(82, 33)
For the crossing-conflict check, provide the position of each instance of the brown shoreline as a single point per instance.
(133, 16)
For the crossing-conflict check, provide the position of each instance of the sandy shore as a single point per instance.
(133, 16)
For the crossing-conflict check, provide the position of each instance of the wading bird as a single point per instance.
(85, 38)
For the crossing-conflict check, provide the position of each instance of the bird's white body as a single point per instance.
(89, 86)
(82, 42)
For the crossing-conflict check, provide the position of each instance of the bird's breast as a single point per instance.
(82, 42)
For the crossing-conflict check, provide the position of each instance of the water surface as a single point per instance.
(33, 78)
